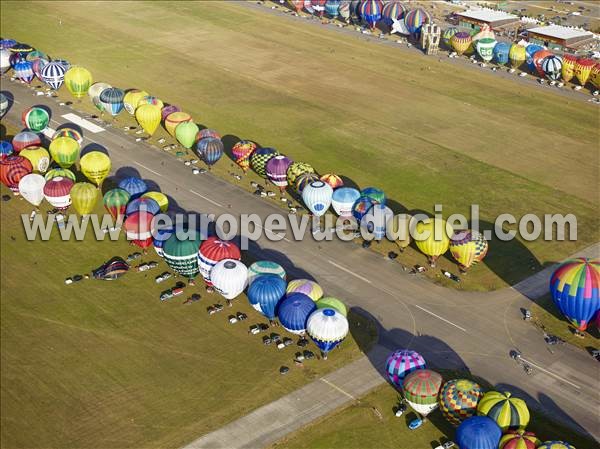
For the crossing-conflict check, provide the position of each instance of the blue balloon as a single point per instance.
(479, 432)
(210, 149)
(531, 50)
(136, 187)
(377, 195)
(294, 310)
(362, 205)
(501, 51)
(6, 148)
(265, 292)
(332, 7)
(146, 204)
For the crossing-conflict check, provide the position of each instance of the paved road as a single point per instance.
(452, 329)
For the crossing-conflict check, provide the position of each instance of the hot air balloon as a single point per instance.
(501, 51)
(265, 267)
(259, 159)
(306, 287)
(241, 153)
(265, 292)
(595, 76)
(517, 55)
(415, 19)
(207, 132)
(399, 230)
(447, 36)
(333, 180)
(210, 150)
(318, 6)
(327, 328)
(229, 277)
(460, 42)
(64, 172)
(38, 66)
(468, 248)
(132, 98)
(519, 439)
(344, 10)
(36, 54)
(78, 80)
(575, 289)
(94, 93)
(303, 180)
(421, 388)
(478, 432)
(145, 204)
(31, 187)
(113, 99)
(375, 194)
(317, 197)
(174, 120)
(139, 227)
(552, 67)
(115, 202)
(39, 158)
(57, 192)
(35, 118)
(95, 165)
(393, 10)
(6, 149)
(64, 151)
(376, 220)
(583, 68)
(297, 5)
(485, 48)
(432, 238)
(508, 412)
(84, 197)
(568, 67)
(168, 110)
(148, 116)
(402, 362)
(343, 199)
(12, 170)
(15, 58)
(329, 302)
(186, 133)
(161, 199)
(68, 132)
(24, 71)
(214, 250)
(297, 169)
(4, 60)
(458, 400)
(182, 255)
(7, 44)
(331, 8)
(293, 312)
(153, 101)
(537, 58)
(136, 187)
(555, 445)
(53, 74)
(361, 206)
(66, 64)
(161, 235)
(531, 50)
(25, 139)
(370, 12)
(3, 104)
(276, 170)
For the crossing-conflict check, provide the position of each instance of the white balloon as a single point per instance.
(229, 277)
(376, 220)
(31, 187)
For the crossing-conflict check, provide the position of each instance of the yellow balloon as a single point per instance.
(84, 197)
(468, 248)
(78, 81)
(148, 117)
(39, 158)
(175, 119)
(401, 230)
(132, 98)
(149, 99)
(160, 198)
(432, 237)
(95, 166)
(64, 150)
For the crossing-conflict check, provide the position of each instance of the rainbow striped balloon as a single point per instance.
(402, 362)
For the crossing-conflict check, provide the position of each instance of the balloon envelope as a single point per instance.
(161, 199)
(259, 159)
(35, 118)
(265, 267)
(39, 158)
(148, 116)
(31, 187)
(13, 169)
(186, 132)
(327, 328)
(458, 400)
(64, 151)
(501, 51)
(293, 312)
(53, 74)
(210, 149)
(115, 202)
(343, 199)
(96, 166)
(78, 80)
(421, 388)
(25, 139)
(229, 278)
(306, 287)
(84, 197)
(329, 302)
(136, 187)
(276, 169)
(173, 120)
(241, 153)
(182, 254)
(212, 251)
(57, 192)
(317, 197)
(131, 100)
(507, 411)
(265, 292)
(478, 432)
(402, 362)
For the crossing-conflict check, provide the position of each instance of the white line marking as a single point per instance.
(272, 232)
(49, 132)
(350, 272)
(332, 385)
(439, 317)
(207, 199)
(149, 169)
(83, 123)
(551, 373)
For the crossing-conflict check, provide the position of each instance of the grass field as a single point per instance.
(425, 132)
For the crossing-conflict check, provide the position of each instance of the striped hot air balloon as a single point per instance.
(538, 59)
(568, 67)
(265, 267)
(265, 292)
(276, 170)
(375, 194)
(332, 7)
(460, 42)
(115, 202)
(421, 388)
(64, 151)
(161, 199)
(57, 192)
(138, 229)
(26, 139)
(148, 116)
(174, 119)
(68, 132)
(519, 439)
(113, 99)
(415, 19)
(94, 93)
(136, 187)
(13, 169)
(146, 204)
(583, 69)
(210, 150)
(508, 412)
(306, 287)
(4, 103)
(458, 400)
(393, 10)
(7, 44)
(555, 445)
(317, 197)
(207, 132)
(303, 180)
(241, 153)
(327, 328)
(212, 251)
(402, 362)
(35, 118)
(370, 11)
(468, 248)
(78, 81)
(53, 74)
(24, 71)
(552, 67)
(153, 101)
(293, 312)
(595, 76)
(333, 180)
(447, 36)
(343, 199)
(259, 159)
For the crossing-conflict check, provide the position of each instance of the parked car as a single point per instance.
(167, 294)
(162, 277)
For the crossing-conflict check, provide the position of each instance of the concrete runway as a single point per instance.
(452, 329)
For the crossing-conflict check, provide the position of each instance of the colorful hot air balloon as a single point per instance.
(317, 197)
(115, 202)
(485, 48)
(259, 159)
(4, 103)
(519, 439)
(12, 170)
(343, 199)
(113, 99)
(139, 227)
(508, 412)
(276, 170)
(78, 80)
(331, 8)
(402, 362)
(39, 158)
(146, 204)
(333, 180)
(303, 180)
(458, 400)
(210, 150)
(568, 67)
(174, 120)
(57, 192)
(531, 50)
(537, 59)
(64, 172)
(517, 55)
(153, 101)
(447, 36)
(265, 267)
(297, 169)
(64, 151)
(212, 251)
(94, 93)
(432, 238)
(393, 10)
(148, 116)
(68, 132)
(168, 110)
(31, 187)
(6, 149)
(160, 237)
(36, 54)
(478, 432)
(35, 118)
(241, 153)
(415, 19)
(468, 248)
(5, 60)
(595, 76)
(161, 199)
(376, 220)
(186, 133)
(376, 195)
(297, 5)
(583, 69)
(461, 41)
(95, 165)
(421, 388)
(131, 100)
(293, 312)
(181, 255)
(7, 44)
(501, 51)
(84, 197)
(306, 287)
(66, 64)
(265, 292)
(26, 139)
(229, 277)
(575, 289)
(207, 132)
(361, 206)
(38, 66)
(318, 6)
(552, 67)
(327, 328)
(136, 187)
(329, 302)
(555, 445)
(24, 71)
(53, 74)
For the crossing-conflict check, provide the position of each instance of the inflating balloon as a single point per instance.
(161, 199)
(53, 74)
(229, 278)
(132, 98)
(6, 149)
(421, 388)
(182, 255)
(583, 69)
(174, 120)
(460, 42)
(329, 302)
(517, 55)
(210, 150)
(393, 10)
(317, 197)
(24, 71)
(136, 187)
(333, 180)
(64, 151)
(145, 204)
(84, 197)
(31, 187)
(259, 159)
(508, 412)
(112, 98)
(26, 139)
(78, 80)
(478, 432)
(343, 199)
(265, 292)
(552, 67)
(370, 11)
(501, 52)
(148, 117)
(432, 238)
(39, 158)
(485, 48)
(276, 170)
(468, 248)
(293, 312)
(568, 67)
(298, 169)
(95, 165)
(519, 439)
(262, 267)
(415, 19)
(139, 228)
(64, 172)
(115, 202)
(35, 118)
(458, 400)
(94, 93)
(212, 251)
(402, 362)
(68, 132)
(306, 287)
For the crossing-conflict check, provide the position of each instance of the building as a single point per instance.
(496, 20)
(557, 37)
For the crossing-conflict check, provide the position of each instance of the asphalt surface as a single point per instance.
(452, 329)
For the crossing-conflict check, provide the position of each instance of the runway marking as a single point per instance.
(207, 199)
(149, 169)
(550, 373)
(272, 232)
(83, 123)
(334, 386)
(49, 132)
(441, 318)
(349, 272)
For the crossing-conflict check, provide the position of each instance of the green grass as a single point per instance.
(423, 131)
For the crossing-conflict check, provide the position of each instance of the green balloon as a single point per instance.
(329, 302)
(182, 255)
(64, 150)
(63, 172)
(186, 133)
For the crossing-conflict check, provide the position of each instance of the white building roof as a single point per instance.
(560, 32)
(487, 15)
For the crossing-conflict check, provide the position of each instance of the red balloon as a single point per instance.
(138, 227)
(213, 250)
(538, 57)
(12, 169)
(56, 191)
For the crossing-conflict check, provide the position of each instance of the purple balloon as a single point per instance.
(168, 110)
(276, 169)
